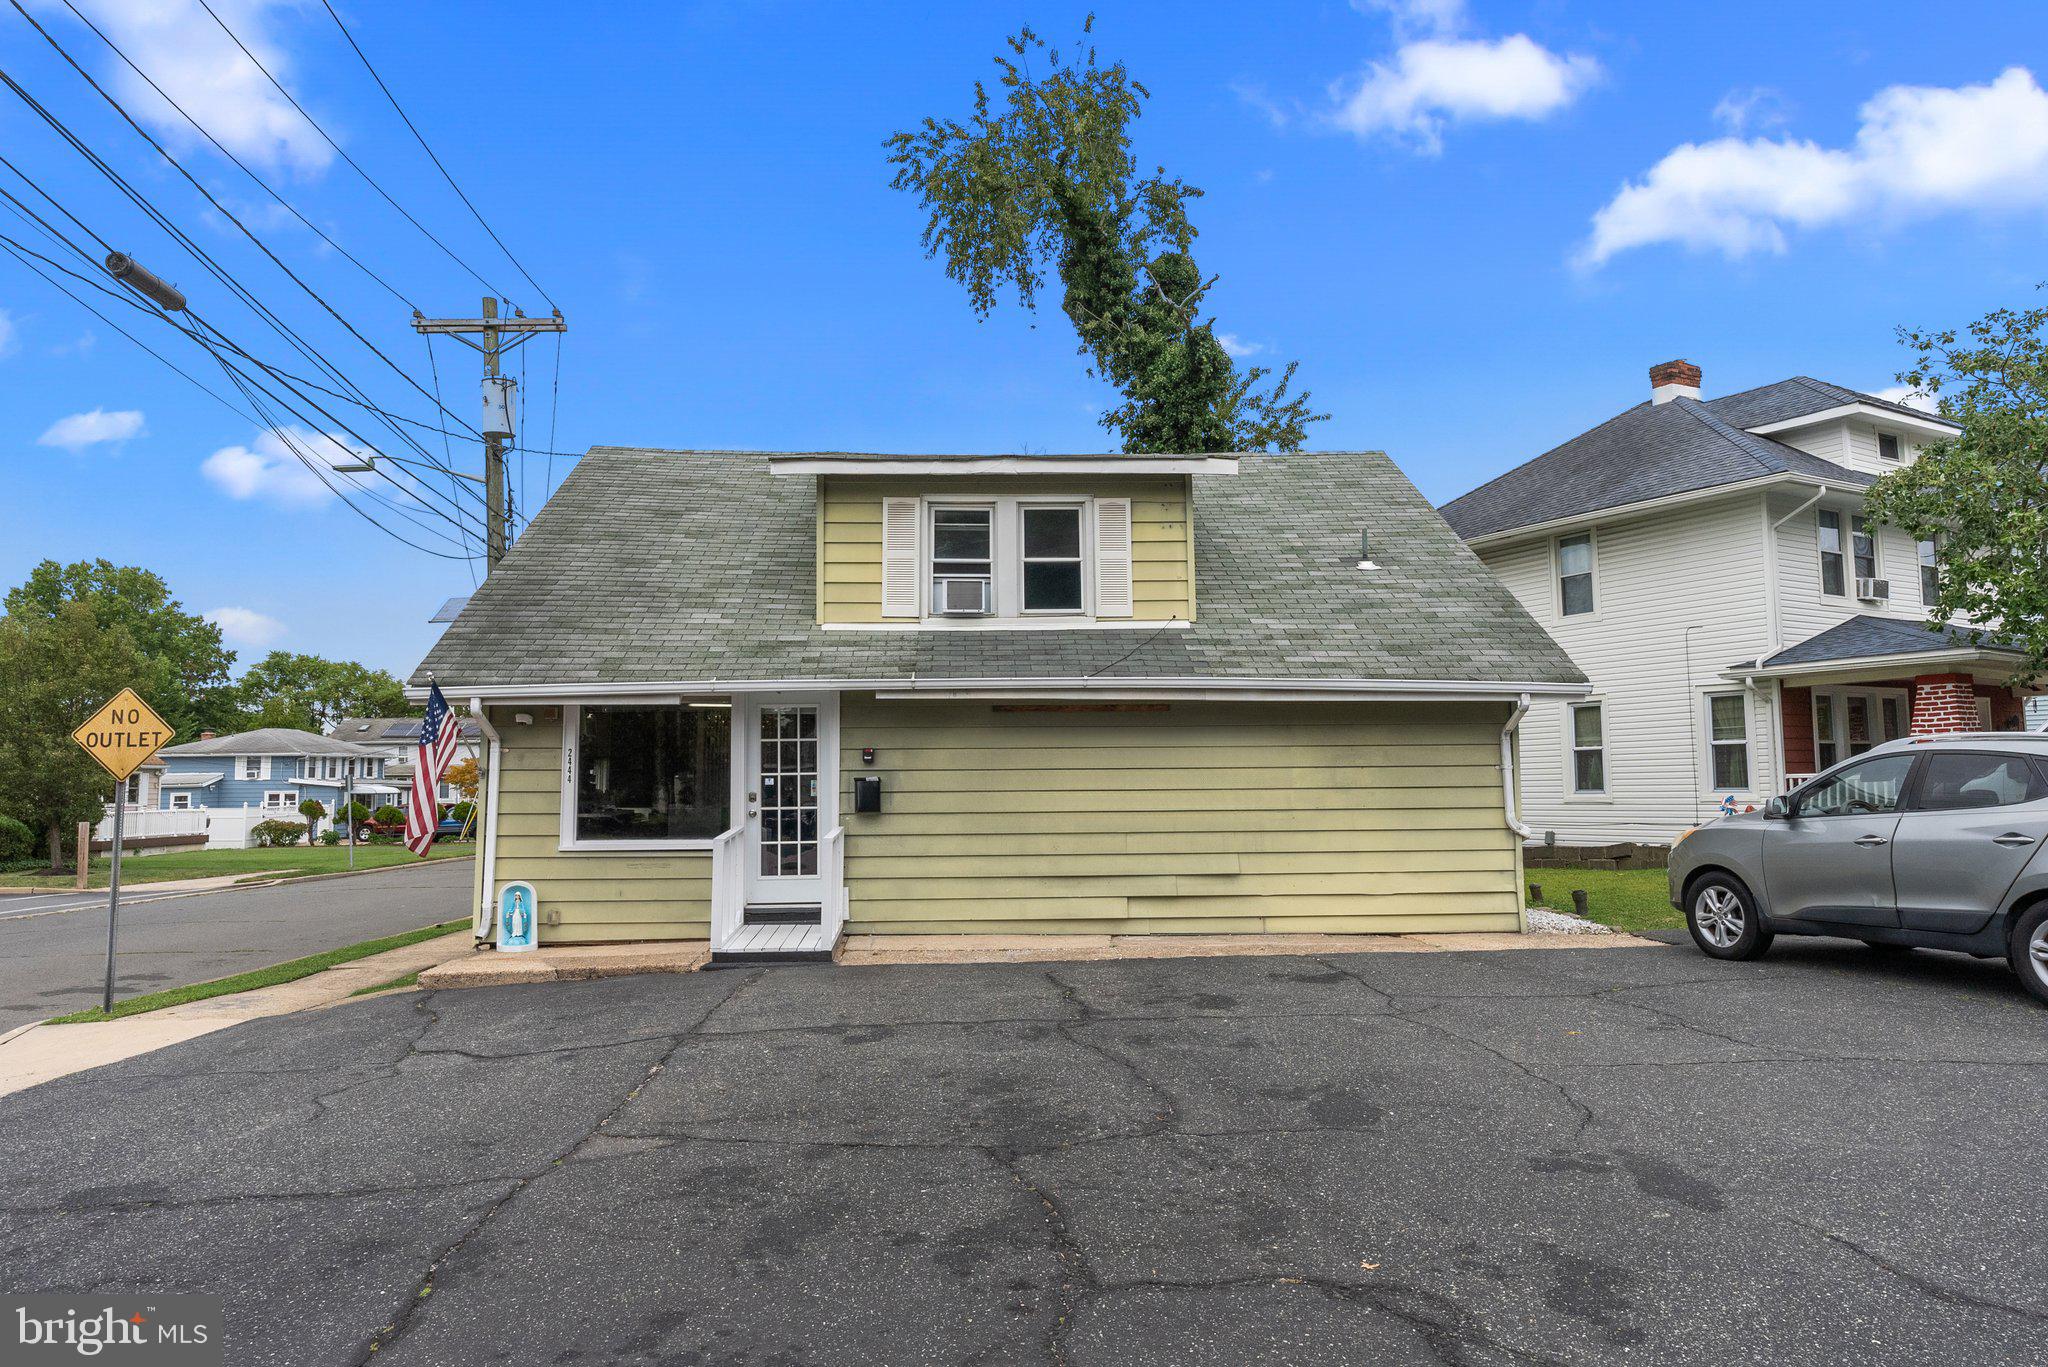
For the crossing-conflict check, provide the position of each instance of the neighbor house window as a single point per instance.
(286, 798)
(963, 549)
(1589, 750)
(1864, 545)
(1575, 574)
(252, 766)
(650, 774)
(181, 801)
(1887, 446)
(132, 790)
(1830, 533)
(1930, 572)
(1052, 559)
(1728, 741)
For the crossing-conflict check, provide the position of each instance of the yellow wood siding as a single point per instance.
(1198, 818)
(850, 536)
(585, 895)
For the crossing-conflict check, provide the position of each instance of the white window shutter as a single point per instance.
(899, 557)
(1113, 557)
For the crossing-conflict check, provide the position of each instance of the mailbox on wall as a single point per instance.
(867, 793)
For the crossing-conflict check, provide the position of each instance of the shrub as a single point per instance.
(312, 809)
(459, 812)
(330, 836)
(278, 832)
(354, 813)
(16, 840)
(388, 815)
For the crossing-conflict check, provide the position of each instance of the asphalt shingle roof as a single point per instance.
(389, 730)
(1649, 451)
(1865, 636)
(1795, 398)
(270, 740)
(655, 566)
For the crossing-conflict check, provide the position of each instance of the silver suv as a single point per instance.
(1932, 841)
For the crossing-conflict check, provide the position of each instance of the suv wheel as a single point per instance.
(1723, 920)
(2029, 950)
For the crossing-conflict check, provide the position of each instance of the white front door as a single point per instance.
(791, 787)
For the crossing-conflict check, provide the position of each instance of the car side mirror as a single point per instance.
(1778, 809)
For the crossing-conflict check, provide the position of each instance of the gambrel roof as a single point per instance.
(667, 566)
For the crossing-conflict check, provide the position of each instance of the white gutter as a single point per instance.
(1845, 670)
(1639, 507)
(1507, 768)
(1293, 689)
(1818, 494)
(486, 913)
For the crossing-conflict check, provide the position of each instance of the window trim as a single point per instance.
(1006, 560)
(1876, 549)
(1572, 751)
(928, 552)
(1748, 746)
(1898, 447)
(249, 768)
(568, 841)
(1557, 576)
(1928, 555)
(289, 804)
(1821, 553)
(180, 802)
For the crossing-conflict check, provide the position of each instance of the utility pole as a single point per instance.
(497, 426)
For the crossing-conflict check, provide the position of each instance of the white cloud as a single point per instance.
(1237, 346)
(1909, 396)
(81, 430)
(268, 469)
(246, 627)
(1434, 82)
(1919, 151)
(200, 67)
(10, 336)
(1418, 16)
(1751, 108)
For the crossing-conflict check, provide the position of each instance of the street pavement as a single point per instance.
(1626, 1155)
(53, 948)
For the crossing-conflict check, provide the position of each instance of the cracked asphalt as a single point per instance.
(1565, 1156)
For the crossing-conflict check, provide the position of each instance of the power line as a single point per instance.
(368, 179)
(367, 66)
(392, 289)
(434, 368)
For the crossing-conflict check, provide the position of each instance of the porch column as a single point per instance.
(1943, 703)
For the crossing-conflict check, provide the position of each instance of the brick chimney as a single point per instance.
(1674, 380)
(206, 735)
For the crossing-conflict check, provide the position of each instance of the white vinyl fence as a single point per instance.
(141, 823)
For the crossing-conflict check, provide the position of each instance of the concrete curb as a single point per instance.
(257, 880)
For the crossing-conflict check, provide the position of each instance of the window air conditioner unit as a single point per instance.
(1874, 590)
(960, 597)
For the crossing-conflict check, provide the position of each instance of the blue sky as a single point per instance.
(1475, 225)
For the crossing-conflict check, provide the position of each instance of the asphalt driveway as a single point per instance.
(53, 949)
(1538, 1156)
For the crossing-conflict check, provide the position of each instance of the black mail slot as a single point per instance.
(867, 793)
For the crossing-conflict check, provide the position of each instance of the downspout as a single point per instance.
(487, 865)
(1507, 768)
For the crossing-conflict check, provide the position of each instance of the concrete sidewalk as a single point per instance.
(37, 1053)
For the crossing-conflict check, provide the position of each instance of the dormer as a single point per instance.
(1869, 438)
(965, 543)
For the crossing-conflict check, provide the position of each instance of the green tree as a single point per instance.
(1044, 180)
(310, 694)
(1982, 496)
(186, 667)
(55, 671)
(312, 809)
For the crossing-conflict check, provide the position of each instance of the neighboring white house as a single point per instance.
(1708, 565)
(397, 741)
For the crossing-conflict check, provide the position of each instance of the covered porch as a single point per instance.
(1872, 679)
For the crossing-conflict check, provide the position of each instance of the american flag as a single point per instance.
(440, 732)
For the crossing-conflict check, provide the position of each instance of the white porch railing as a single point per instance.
(728, 886)
(1792, 781)
(832, 912)
(145, 823)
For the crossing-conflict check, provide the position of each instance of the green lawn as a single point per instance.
(269, 977)
(1626, 899)
(291, 861)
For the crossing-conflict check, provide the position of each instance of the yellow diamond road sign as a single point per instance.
(123, 734)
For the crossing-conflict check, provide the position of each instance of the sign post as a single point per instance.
(121, 736)
(348, 805)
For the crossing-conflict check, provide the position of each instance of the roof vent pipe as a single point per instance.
(1365, 550)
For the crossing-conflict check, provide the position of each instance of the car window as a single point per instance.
(1959, 780)
(1871, 787)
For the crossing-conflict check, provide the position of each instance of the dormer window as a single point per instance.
(1887, 446)
(963, 561)
(1052, 558)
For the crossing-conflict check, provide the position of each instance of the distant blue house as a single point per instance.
(273, 769)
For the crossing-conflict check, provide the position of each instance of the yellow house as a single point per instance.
(771, 698)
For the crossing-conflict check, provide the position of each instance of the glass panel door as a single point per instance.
(788, 737)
